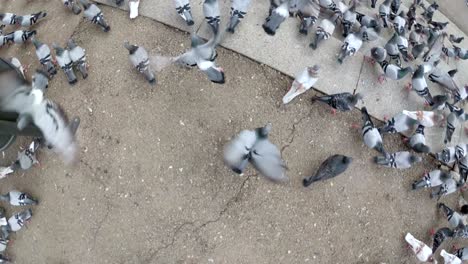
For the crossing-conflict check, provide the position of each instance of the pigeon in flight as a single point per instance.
(341, 101)
(94, 14)
(303, 82)
(238, 12)
(184, 10)
(17, 198)
(44, 56)
(398, 160)
(422, 251)
(78, 57)
(253, 146)
(40, 80)
(29, 20)
(212, 16)
(140, 60)
(64, 61)
(330, 168)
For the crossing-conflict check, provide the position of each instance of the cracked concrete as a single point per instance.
(155, 154)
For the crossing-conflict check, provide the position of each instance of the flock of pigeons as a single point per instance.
(416, 38)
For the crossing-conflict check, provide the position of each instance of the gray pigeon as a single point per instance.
(378, 54)
(341, 101)
(450, 83)
(368, 34)
(330, 168)
(384, 12)
(392, 49)
(278, 15)
(30, 20)
(454, 218)
(324, 31)
(448, 187)
(309, 12)
(73, 6)
(447, 155)
(78, 57)
(40, 80)
(435, 50)
(433, 179)
(452, 123)
(253, 146)
(429, 11)
(397, 124)
(64, 61)
(393, 71)
(352, 43)
(184, 10)
(398, 160)
(455, 39)
(370, 134)
(462, 253)
(368, 21)
(211, 13)
(17, 198)
(140, 60)
(449, 52)
(349, 18)
(419, 84)
(43, 54)
(7, 18)
(20, 36)
(4, 259)
(417, 141)
(440, 236)
(239, 10)
(394, 7)
(26, 158)
(18, 220)
(399, 23)
(461, 53)
(463, 168)
(417, 50)
(373, 2)
(94, 14)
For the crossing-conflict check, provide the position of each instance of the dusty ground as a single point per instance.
(151, 187)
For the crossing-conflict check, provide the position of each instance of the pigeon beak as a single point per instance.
(294, 91)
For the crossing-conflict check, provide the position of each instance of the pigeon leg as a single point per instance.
(333, 111)
(369, 60)
(466, 130)
(381, 78)
(355, 126)
(432, 232)
(385, 118)
(404, 139)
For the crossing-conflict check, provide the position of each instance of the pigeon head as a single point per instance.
(71, 44)
(358, 96)
(346, 160)
(58, 50)
(130, 47)
(40, 80)
(313, 71)
(264, 131)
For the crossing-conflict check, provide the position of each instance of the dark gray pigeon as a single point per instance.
(440, 236)
(239, 10)
(29, 20)
(94, 15)
(398, 160)
(78, 57)
(211, 13)
(330, 168)
(17, 198)
(370, 134)
(341, 101)
(277, 16)
(140, 60)
(349, 18)
(64, 61)
(184, 10)
(44, 56)
(455, 39)
(384, 12)
(324, 31)
(253, 146)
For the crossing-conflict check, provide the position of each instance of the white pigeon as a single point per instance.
(422, 251)
(449, 258)
(425, 118)
(303, 82)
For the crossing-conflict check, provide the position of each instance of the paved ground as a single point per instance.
(151, 187)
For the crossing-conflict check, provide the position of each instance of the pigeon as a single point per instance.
(425, 118)
(378, 54)
(20, 36)
(402, 44)
(40, 80)
(303, 82)
(184, 10)
(419, 84)
(309, 12)
(417, 50)
(440, 236)
(349, 18)
(330, 168)
(253, 146)
(140, 60)
(384, 12)
(17, 96)
(438, 25)
(462, 253)
(393, 71)
(43, 54)
(394, 7)
(370, 134)
(459, 112)
(411, 16)
(449, 52)
(324, 31)
(367, 21)
(422, 251)
(429, 11)
(452, 123)
(4, 171)
(4, 259)
(29, 20)
(397, 124)
(277, 16)
(133, 8)
(211, 13)
(449, 258)
(461, 53)
(94, 14)
(398, 160)
(368, 34)
(78, 57)
(73, 6)
(417, 141)
(64, 61)
(435, 51)
(6, 39)
(352, 43)
(463, 168)
(8, 18)
(433, 179)
(448, 187)
(239, 10)
(447, 155)
(373, 2)
(341, 101)
(3, 244)
(26, 158)
(448, 81)
(455, 39)
(399, 23)
(454, 218)
(393, 50)
(18, 220)
(17, 198)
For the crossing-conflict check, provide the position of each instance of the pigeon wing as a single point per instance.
(266, 158)
(236, 152)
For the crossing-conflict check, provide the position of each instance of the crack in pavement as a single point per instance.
(178, 229)
(100, 223)
(293, 133)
